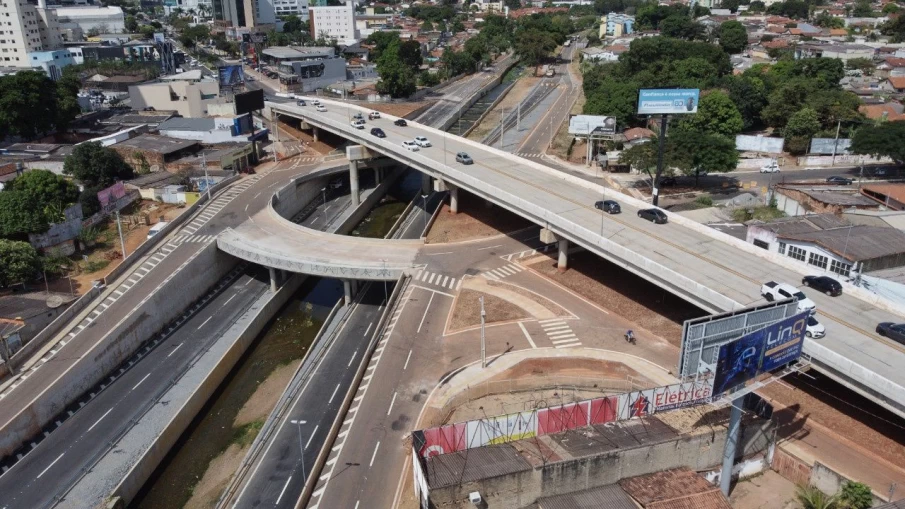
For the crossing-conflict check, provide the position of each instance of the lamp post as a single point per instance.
(424, 206)
(324, 192)
(483, 345)
(301, 448)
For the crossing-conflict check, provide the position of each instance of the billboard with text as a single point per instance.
(668, 101)
(231, 75)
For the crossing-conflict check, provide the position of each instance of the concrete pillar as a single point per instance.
(354, 287)
(347, 289)
(353, 183)
(425, 183)
(453, 198)
(274, 282)
(378, 176)
(563, 262)
(314, 132)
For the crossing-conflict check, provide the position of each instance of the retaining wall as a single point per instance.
(164, 304)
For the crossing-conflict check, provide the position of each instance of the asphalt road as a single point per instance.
(58, 462)
(454, 94)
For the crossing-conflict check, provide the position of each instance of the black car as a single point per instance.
(378, 132)
(609, 206)
(668, 181)
(839, 181)
(824, 284)
(400, 122)
(893, 331)
(653, 215)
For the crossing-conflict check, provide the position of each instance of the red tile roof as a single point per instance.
(895, 61)
(897, 82)
(637, 133)
(680, 488)
(878, 111)
(839, 31)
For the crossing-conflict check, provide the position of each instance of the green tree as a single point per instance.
(717, 114)
(794, 9)
(865, 65)
(89, 201)
(410, 53)
(642, 157)
(863, 9)
(28, 104)
(18, 262)
(750, 96)
(693, 152)
(826, 20)
(533, 46)
(19, 216)
(615, 98)
(45, 189)
(513, 4)
(894, 28)
(428, 79)
(427, 26)
(733, 37)
(886, 139)
(890, 8)
(292, 24)
(147, 31)
(396, 78)
(131, 24)
(732, 5)
(757, 6)
(681, 27)
(692, 72)
(803, 122)
(810, 497)
(95, 165)
(381, 41)
(856, 495)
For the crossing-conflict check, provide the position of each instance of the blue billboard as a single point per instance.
(668, 101)
(231, 75)
(762, 350)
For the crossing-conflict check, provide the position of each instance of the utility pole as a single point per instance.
(502, 127)
(656, 190)
(483, 346)
(207, 181)
(518, 117)
(836, 143)
(119, 228)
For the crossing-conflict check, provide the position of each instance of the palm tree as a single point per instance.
(809, 497)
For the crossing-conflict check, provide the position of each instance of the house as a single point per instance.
(189, 99)
(637, 136)
(150, 151)
(891, 196)
(598, 55)
(891, 111)
(805, 29)
(803, 199)
(897, 83)
(844, 52)
(829, 244)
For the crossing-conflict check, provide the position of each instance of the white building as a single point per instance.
(333, 22)
(27, 28)
(259, 13)
(106, 20)
(287, 7)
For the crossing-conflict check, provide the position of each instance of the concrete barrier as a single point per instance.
(164, 304)
(136, 477)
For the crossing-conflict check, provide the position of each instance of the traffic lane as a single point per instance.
(277, 480)
(370, 459)
(59, 460)
(80, 344)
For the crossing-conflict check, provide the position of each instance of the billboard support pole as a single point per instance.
(656, 190)
(835, 143)
(735, 421)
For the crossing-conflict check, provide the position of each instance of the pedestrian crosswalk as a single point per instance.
(194, 238)
(529, 155)
(501, 272)
(210, 210)
(560, 333)
(435, 278)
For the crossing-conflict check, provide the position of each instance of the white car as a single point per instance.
(770, 168)
(316, 102)
(772, 290)
(374, 115)
(814, 329)
(411, 146)
(357, 124)
(321, 108)
(422, 142)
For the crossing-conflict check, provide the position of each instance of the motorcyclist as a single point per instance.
(630, 336)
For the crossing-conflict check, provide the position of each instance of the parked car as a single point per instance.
(373, 115)
(824, 284)
(839, 181)
(464, 158)
(653, 215)
(378, 132)
(400, 122)
(770, 168)
(668, 181)
(771, 290)
(608, 206)
(814, 329)
(422, 141)
(410, 146)
(358, 124)
(301, 102)
(893, 331)
(321, 108)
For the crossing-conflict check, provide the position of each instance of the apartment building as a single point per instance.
(26, 27)
(287, 7)
(336, 22)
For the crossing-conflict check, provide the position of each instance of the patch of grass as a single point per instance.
(762, 213)
(94, 265)
(245, 435)
(705, 200)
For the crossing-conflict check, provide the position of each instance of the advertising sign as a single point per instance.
(159, 38)
(592, 124)
(768, 144)
(668, 101)
(662, 399)
(231, 75)
(249, 101)
(825, 146)
(759, 351)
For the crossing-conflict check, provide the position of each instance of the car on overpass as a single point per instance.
(378, 132)
(374, 115)
(771, 290)
(411, 146)
(824, 284)
(608, 206)
(321, 108)
(400, 122)
(358, 124)
(422, 141)
(814, 329)
(893, 331)
(653, 215)
(464, 158)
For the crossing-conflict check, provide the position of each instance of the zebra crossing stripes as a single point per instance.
(195, 238)
(501, 272)
(210, 210)
(529, 155)
(559, 332)
(435, 278)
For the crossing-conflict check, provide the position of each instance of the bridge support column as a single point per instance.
(314, 133)
(425, 183)
(274, 280)
(347, 290)
(563, 262)
(378, 176)
(453, 198)
(353, 183)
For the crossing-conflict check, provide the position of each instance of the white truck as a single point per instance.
(772, 290)
(549, 71)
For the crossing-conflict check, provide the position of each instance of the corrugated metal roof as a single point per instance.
(604, 497)
(187, 124)
(802, 224)
(665, 485)
(899, 504)
(855, 243)
(713, 499)
(473, 464)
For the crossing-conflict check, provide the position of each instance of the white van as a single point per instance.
(157, 228)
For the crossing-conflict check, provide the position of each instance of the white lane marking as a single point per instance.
(425, 312)
(570, 345)
(568, 334)
(438, 254)
(459, 284)
(334, 394)
(556, 328)
(489, 247)
(356, 504)
(372, 456)
(431, 280)
(205, 322)
(368, 329)
(283, 490)
(140, 381)
(99, 420)
(227, 300)
(354, 354)
(61, 455)
(445, 279)
(549, 320)
(392, 402)
(311, 437)
(565, 340)
(527, 336)
(174, 350)
(249, 282)
(407, 360)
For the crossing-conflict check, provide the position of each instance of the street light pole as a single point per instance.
(424, 206)
(119, 229)
(483, 345)
(301, 449)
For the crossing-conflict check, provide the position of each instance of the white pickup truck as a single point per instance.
(772, 290)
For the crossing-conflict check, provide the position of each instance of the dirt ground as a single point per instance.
(516, 94)
(475, 220)
(766, 491)
(546, 303)
(624, 294)
(466, 310)
(257, 408)
(397, 109)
